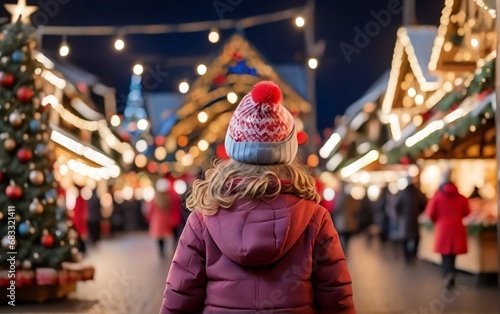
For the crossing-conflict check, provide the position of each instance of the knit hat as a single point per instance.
(262, 131)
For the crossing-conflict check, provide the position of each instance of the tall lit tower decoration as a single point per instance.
(135, 120)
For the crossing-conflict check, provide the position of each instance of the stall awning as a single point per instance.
(471, 113)
(452, 115)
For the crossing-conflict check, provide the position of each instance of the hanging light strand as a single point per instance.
(172, 28)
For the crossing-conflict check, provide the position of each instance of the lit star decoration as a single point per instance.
(20, 9)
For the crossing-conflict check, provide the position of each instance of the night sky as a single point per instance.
(339, 82)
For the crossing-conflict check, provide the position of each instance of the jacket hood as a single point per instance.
(449, 189)
(256, 233)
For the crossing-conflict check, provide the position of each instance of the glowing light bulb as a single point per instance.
(203, 145)
(138, 69)
(474, 42)
(64, 49)
(142, 124)
(202, 117)
(312, 63)
(213, 36)
(412, 92)
(201, 69)
(232, 97)
(299, 21)
(115, 120)
(119, 44)
(184, 87)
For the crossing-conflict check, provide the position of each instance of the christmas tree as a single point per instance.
(34, 225)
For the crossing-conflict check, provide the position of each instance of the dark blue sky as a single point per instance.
(339, 82)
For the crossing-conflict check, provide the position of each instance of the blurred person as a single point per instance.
(159, 214)
(257, 228)
(345, 215)
(446, 209)
(79, 220)
(94, 217)
(409, 204)
(380, 216)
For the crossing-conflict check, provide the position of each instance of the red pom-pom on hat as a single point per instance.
(266, 92)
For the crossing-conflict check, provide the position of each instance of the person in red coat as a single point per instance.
(79, 218)
(446, 209)
(163, 214)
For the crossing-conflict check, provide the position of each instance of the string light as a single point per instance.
(138, 69)
(101, 126)
(419, 99)
(203, 145)
(232, 97)
(142, 124)
(184, 87)
(330, 145)
(201, 69)
(412, 92)
(359, 164)
(299, 21)
(141, 146)
(202, 117)
(474, 42)
(213, 36)
(312, 63)
(64, 48)
(119, 44)
(82, 150)
(115, 120)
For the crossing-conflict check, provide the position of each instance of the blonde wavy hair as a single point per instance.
(229, 180)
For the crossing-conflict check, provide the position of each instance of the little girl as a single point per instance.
(257, 240)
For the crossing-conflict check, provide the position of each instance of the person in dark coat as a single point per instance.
(446, 209)
(94, 217)
(380, 216)
(345, 215)
(409, 204)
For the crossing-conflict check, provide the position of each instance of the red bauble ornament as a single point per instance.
(24, 94)
(47, 240)
(302, 137)
(405, 160)
(6, 79)
(24, 155)
(219, 79)
(237, 56)
(14, 192)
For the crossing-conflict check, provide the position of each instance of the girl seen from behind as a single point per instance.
(257, 239)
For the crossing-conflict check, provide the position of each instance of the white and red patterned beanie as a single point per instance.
(261, 130)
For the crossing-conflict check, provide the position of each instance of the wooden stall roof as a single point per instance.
(466, 27)
(237, 68)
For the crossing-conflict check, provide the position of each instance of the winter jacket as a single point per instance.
(447, 209)
(409, 204)
(256, 257)
(79, 218)
(345, 215)
(166, 216)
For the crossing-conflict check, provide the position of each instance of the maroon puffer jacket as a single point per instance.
(258, 257)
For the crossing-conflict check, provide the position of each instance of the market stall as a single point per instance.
(475, 179)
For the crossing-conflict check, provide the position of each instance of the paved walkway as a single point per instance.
(130, 280)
